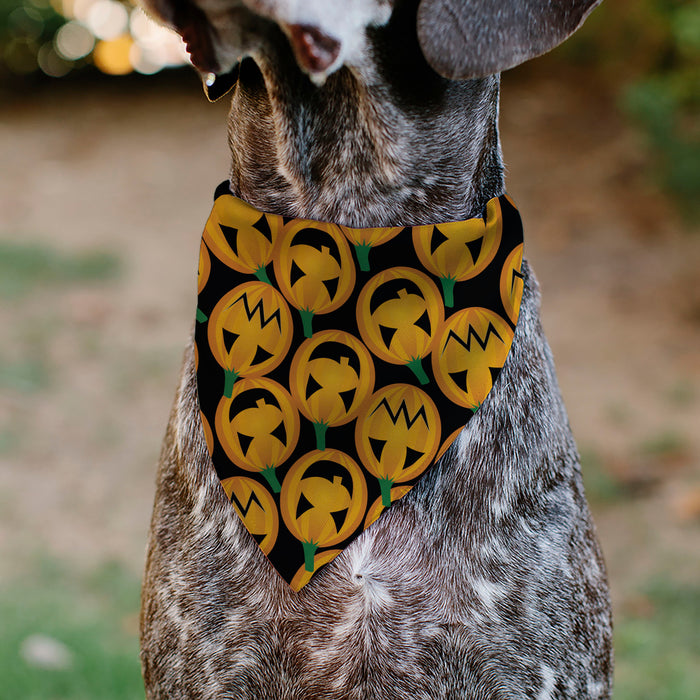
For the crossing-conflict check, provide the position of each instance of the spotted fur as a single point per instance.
(493, 590)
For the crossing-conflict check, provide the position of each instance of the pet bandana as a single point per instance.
(335, 365)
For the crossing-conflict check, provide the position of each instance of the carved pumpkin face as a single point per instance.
(248, 248)
(323, 499)
(471, 347)
(330, 377)
(258, 426)
(458, 251)
(256, 508)
(364, 239)
(398, 313)
(314, 268)
(397, 434)
(204, 267)
(302, 576)
(512, 283)
(250, 330)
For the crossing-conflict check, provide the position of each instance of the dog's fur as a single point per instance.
(493, 590)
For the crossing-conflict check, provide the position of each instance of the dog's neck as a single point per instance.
(383, 144)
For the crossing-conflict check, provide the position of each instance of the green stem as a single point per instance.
(309, 552)
(230, 379)
(385, 487)
(307, 316)
(271, 478)
(417, 368)
(448, 285)
(261, 274)
(201, 316)
(362, 253)
(320, 429)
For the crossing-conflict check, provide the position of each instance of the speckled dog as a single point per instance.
(373, 113)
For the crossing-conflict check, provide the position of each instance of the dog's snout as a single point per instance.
(315, 51)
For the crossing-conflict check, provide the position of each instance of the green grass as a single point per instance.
(94, 618)
(28, 266)
(602, 487)
(658, 652)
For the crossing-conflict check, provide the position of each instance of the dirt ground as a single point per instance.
(90, 368)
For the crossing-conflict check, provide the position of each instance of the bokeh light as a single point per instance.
(58, 36)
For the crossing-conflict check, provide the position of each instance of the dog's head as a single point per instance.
(460, 39)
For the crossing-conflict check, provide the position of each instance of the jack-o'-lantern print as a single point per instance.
(250, 331)
(471, 348)
(204, 267)
(323, 499)
(314, 269)
(303, 576)
(202, 276)
(330, 377)
(208, 435)
(398, 313)
(397, 435)
(248, 246)
(256, 508)
(258, 427)
(364, 239)
(460, 250)
(378, 507)
(512, 283)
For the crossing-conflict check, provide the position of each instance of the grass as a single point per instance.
(94, 617)
(28, 266)
(658, 649)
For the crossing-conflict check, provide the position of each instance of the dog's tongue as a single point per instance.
(314, 50)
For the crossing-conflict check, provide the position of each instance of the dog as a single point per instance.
(379, 113)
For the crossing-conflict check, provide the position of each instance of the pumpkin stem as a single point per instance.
(261, 274)
(271, 478)
(448, 285)
(307, 316)
(415, 365)
(385, 487)
(362, 253)
(309, 552)
(320, 429)
(201, 316)
(230, 379)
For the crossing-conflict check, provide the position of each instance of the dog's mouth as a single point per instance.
(216, 86)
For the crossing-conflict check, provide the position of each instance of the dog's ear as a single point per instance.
(473, 38)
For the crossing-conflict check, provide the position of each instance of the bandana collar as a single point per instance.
(336, 365)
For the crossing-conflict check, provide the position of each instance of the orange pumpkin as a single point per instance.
(364, 239)
(314, 268)
(258, 426)
(208, 435)
(250, 331)
(256, 508)
(459, 250)
(248, 246)
(323, 499)
(512, 283)
(204, 267)
(471, 344)
(397, 435)
(378, 507)
(330, 377)
(302, 576)
(398, 313)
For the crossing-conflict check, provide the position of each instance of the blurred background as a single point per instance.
(109, 154)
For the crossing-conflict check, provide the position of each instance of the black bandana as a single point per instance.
(336, 365)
